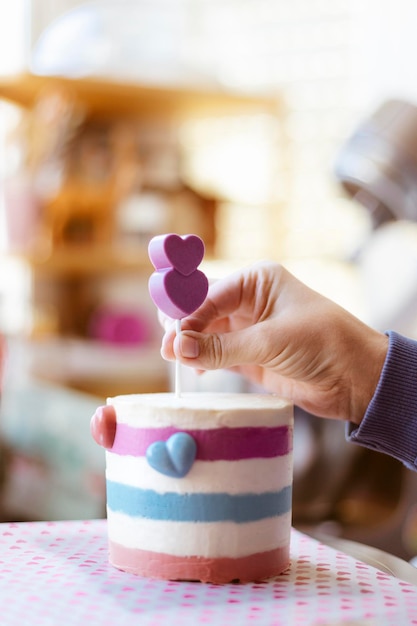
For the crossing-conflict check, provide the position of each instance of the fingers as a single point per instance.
(234, 299)
(224, 332)
(218, 350)
(207, 318)
(223, 300)
(203, 351)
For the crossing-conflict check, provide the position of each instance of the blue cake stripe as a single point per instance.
(197, 507)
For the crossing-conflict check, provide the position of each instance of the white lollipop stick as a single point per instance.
(177, 363)
(177, 287)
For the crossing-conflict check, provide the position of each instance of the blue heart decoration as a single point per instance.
(173, 457)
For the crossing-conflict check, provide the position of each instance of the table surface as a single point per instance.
(57, 573)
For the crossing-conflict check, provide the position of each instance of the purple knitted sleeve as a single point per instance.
(390, 422)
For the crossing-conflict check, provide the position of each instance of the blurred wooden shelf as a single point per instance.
(106, 98)
(85, 260)
(79, 258)
(88, 261)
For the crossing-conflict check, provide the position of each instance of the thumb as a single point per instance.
(217, 350)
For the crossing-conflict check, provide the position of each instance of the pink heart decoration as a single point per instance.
(103, 426)
(182, 253)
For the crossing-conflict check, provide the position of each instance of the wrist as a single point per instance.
(389, 425)
(368, 373)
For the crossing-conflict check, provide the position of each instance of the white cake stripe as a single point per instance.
(202, 410)
(246, 476)
(219, 539)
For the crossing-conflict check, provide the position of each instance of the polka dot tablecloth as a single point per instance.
(56, 573)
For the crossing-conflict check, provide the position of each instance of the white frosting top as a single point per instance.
(197, 410)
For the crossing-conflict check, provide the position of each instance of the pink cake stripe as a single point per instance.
(221, 570)
(217, 444)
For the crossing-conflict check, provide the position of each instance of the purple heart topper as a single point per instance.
(173, 457)
(183, 254)
(177, 287)
(177, 295)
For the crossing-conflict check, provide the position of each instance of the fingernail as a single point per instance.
(189, 347)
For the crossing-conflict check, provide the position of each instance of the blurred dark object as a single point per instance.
(377, 166)
(374, 498)
(351, 492)
(4, 463)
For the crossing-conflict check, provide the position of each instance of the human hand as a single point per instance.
(267, 325)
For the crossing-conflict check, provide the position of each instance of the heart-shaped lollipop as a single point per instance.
(177, 287)
(182, 253)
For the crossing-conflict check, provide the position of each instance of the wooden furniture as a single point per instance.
(101, 172)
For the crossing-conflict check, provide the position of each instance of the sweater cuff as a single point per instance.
(390, 422)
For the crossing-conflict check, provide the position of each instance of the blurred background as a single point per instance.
(281, 129)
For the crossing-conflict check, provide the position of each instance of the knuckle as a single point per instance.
(216, 352)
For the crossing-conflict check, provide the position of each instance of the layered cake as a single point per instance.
(198, 486)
